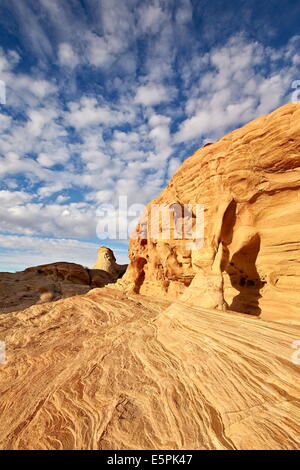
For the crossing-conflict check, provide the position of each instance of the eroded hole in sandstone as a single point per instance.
(249, 284)
(228, 224)
(140, 273)
(241, 265)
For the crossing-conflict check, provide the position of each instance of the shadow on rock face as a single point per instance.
(241, 265)
(245, 278)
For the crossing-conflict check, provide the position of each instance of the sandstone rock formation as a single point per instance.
(107, 262)
(48, 283)
(112, 371)
(249, 184)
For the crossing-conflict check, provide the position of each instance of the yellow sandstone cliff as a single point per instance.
(249, 184)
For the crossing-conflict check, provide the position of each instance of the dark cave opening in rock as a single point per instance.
(245, 278)
(241, 265)
(139, 265)
(228, 223)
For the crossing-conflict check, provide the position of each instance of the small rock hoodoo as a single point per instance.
(107, 262)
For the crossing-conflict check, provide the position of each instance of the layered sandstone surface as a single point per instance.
(109, 370)
(249, 184)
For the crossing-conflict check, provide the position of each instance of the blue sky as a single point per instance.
(106, 98)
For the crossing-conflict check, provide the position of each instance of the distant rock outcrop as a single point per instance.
(48, 283)
(107, 262)
(249, 184)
